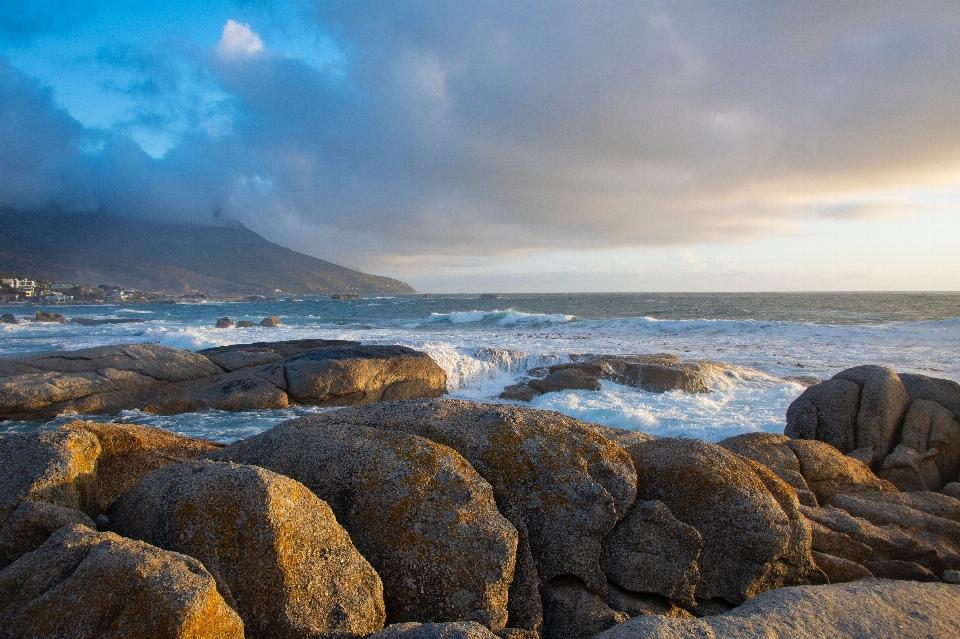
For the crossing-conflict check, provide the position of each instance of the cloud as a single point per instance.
(495, 128)
(239, 40)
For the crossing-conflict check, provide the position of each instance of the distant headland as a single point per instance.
(169, 258)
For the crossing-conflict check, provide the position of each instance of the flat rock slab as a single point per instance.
(867, 609)
(165, 380)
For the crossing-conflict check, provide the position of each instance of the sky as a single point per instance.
(509, 146)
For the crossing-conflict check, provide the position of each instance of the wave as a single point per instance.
(506, 317)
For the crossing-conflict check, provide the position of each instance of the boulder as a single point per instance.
(519, 392)
(572, 611)
(883, 405)
(255, 388)
(88, 585)
(568, 379)
(909, 470)
(8, 318)
(56, 318)
(31, 524)
(415, 509)
(129, 451)
(952, 489)
(243, 324)
(945, 392)
(866, 609)
(839, 570)
(448, 630)
(826, 412)
(650, 551)
(773, 452)
(558, 478)
(362, 374)
(750, 543)
(929, 426)
(828, 472)
(165, 380)
(225, 322)
(70, 475)
(56, 467)
(656, 378)
(271, 322)
(277, 553)
(634, 604)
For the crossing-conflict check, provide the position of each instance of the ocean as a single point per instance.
(485, 344)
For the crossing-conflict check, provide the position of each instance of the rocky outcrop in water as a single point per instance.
(164, 380)
(478, 520)
(657, 373)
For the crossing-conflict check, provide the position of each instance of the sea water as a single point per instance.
(484, 344)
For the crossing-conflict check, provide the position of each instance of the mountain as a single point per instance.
(99, 248)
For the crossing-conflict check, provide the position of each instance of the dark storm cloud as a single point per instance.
(475, 128)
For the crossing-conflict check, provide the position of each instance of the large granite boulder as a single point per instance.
(166, 380)
(56, 467)
(362, 374)
(754, 538)
(571, 611)
(51, 478)
(552, 475)
(87, 585)
(130, 451)
(868, 609)
(276, 551)
(826, 412)
(415, 509)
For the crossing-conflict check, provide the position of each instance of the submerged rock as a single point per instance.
(88, 585)
(276, 551)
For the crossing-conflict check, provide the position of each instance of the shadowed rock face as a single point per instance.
(278, 555)
(85, 584)
(166, 381)
(551, 474)
(415, 509)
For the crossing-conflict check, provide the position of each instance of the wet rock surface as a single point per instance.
(164, 380)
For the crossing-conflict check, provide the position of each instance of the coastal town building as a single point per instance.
(23, 288)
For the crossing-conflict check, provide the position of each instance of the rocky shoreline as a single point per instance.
(437, 518)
